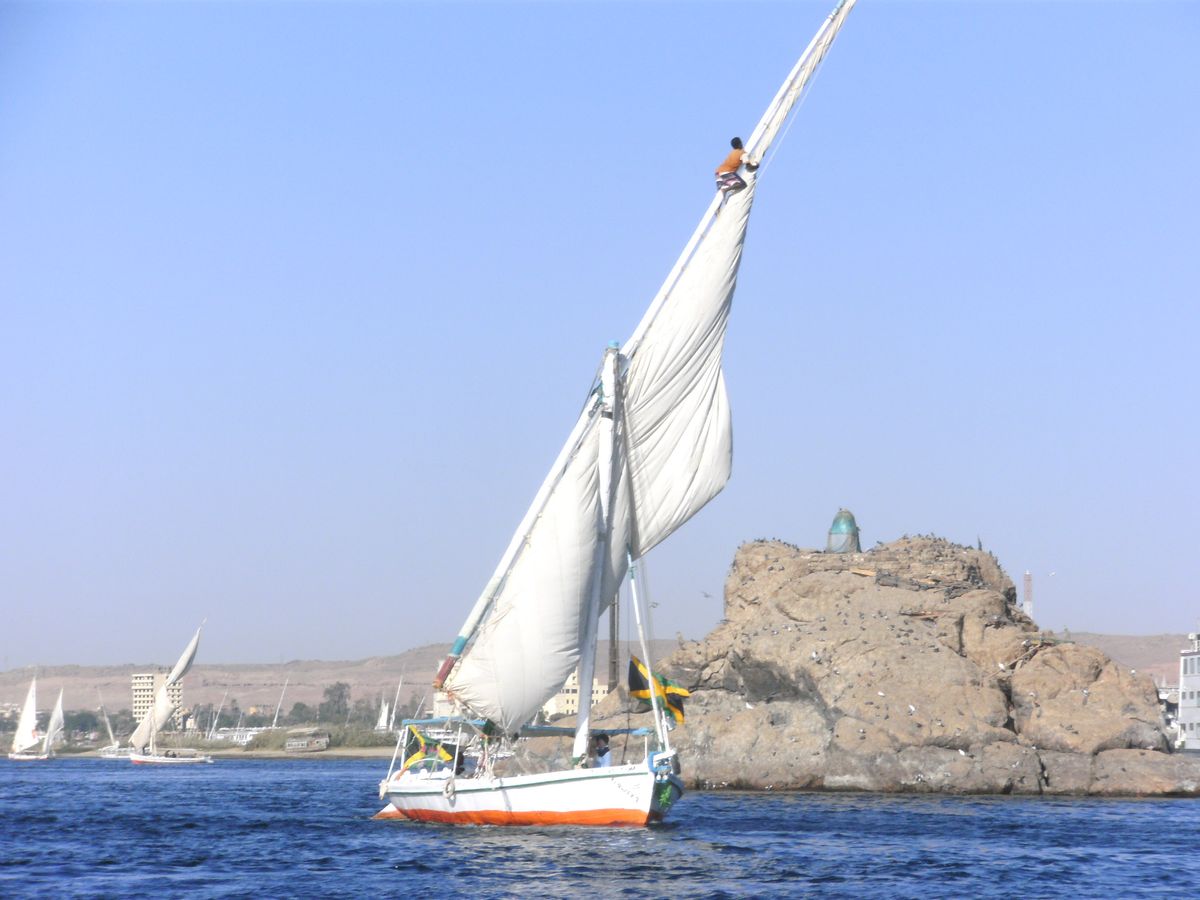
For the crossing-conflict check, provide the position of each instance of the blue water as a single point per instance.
(301, 828)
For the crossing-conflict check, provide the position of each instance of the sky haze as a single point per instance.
(299, 301)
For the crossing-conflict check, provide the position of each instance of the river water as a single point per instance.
(303, 828)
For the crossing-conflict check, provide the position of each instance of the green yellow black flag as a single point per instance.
(417, 748)
(669, 693)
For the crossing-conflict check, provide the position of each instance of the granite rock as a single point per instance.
(909, 668)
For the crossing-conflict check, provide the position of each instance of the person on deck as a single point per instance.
(603, 757)
(728, 179)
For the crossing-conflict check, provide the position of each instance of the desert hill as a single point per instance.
(1155, 654)
(250, 684)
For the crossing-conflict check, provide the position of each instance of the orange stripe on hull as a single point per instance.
(541, 817)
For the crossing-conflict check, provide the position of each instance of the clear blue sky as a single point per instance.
(298, 301)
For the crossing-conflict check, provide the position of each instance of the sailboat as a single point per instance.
(113, 750)
(144, 749)
(26, 737)
(652, 446)
(279, 705)
(54, 730)
(382, 723)
(26, 740)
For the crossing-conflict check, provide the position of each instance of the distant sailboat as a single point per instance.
(55, 729)
(26, 739)
(114, 750)
(216, 720)
(384, 719)
(652, 446)
(395, 705)
(279, 705)
(144, 740)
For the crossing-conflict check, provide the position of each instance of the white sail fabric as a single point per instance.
(680, 434)
(164, 707)
(676, 415)
(26, 737)
(55, 728)
(154, 721)
(112, 740)
(673, 454)
(185, 659)
(798, 79)
(679, 438)
(530, 641)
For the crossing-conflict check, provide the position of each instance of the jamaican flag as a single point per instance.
(669, 694)
(416, 748)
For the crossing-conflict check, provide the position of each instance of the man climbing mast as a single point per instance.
(728, 179)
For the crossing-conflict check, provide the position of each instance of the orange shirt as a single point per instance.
(732, 162)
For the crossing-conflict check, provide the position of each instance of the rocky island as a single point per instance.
(906, 668)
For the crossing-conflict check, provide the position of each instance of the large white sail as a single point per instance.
(678, 438)
(55, 728)
(679, 434)
(677, 417)
(530, 642)
(672, 453)
(26, 737)
(164, 707)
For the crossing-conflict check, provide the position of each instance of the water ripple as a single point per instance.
(86, 828)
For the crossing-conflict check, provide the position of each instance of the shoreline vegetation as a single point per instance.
(239, 753)
(344, 742)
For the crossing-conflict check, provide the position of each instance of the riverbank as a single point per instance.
(239, 753)
(332, 752)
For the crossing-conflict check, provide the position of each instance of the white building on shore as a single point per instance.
(145, 688)
(566, 701)
(1189, 695)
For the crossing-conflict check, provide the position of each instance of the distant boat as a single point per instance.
(279, 705)
(26, 740)
(54, 730)
(144, 740)
(114, 750)
(384, 720)
(27, 736)
(651, 447)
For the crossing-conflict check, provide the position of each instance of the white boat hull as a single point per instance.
(620, 795)
(29, 757)
(149, 759)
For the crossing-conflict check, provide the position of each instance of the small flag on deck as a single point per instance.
(416, 748)
(669, 693)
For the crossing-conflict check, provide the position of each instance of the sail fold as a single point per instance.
(679, 431)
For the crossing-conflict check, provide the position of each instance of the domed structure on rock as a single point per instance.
(843, 534)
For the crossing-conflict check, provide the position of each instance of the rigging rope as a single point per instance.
(814, 72)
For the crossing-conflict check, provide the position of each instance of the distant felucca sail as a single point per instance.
(26, 739)
(143, 741)
(26, 736)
